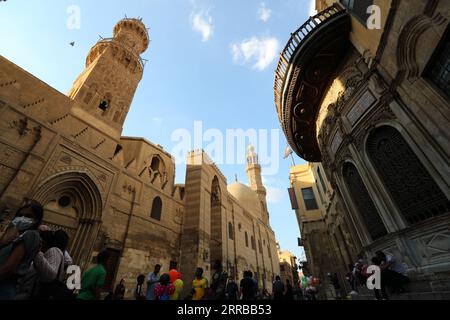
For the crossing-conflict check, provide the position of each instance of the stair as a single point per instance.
(366, 294)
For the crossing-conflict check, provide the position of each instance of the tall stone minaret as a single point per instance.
(114, 68)
(254, 177)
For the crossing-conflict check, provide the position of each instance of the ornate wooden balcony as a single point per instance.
(305, 70)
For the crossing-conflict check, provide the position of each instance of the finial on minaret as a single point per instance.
(235, 177)
(252, 156)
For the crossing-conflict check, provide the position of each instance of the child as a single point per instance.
(139, 290)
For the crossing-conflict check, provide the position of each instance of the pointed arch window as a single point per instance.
(411, 186)
(156, 209)
(363, 201)
(246, 239)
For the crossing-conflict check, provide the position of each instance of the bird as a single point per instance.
(72, 44)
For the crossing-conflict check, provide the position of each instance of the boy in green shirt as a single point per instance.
(94, 279)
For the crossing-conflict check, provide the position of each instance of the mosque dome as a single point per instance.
(246, 197)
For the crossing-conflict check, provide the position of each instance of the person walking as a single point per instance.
(17, 254)
(94, 279)
(247, 286)
(278, 289)
(289, 293)
(232, 289)
(218, 282)
(199, 285)
(152, 280)
(334, 279)
(50, 267)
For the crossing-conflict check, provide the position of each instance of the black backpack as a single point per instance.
(56, 289)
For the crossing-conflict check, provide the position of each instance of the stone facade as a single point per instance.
(382, 130)
(288, 267)
(118, 193)
(325, 229)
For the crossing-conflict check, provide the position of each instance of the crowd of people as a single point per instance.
(222, 287)
(34, 260)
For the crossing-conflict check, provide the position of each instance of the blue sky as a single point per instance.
(209, 61)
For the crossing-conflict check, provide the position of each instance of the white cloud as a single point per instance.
(275, 195)
(202, 23)
(264, 13)
(261, 51)
(157, 121)
(312, 8)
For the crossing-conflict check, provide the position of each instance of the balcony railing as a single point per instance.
(109, 40)
(296, 40)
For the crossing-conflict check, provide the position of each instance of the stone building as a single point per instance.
(372, 104)
(288, 267)
(117, 193)
(327, 243)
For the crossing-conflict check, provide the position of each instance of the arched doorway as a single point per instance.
(73, 203)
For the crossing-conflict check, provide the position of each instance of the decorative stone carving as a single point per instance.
(66, 159)
(351, 85)
(336, 142)
(21, 126)
(436, 244)
(408, 41)
(377, 115)
(361, 106)
(9, 156)
(128, 188)
(340, 158)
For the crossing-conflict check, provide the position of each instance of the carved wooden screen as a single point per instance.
(411, 186)
(363, 201)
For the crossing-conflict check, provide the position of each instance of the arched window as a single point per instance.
(416, 194)
(156, 161)
(230, 231)
(363, 201)
(246, 239)
(156, 209)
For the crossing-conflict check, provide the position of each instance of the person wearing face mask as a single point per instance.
(16, 256)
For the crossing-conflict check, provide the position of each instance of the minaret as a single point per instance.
(254, 177)
(113, 71)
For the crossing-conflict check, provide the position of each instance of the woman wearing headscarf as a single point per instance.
(164, 289)
(17, 255)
